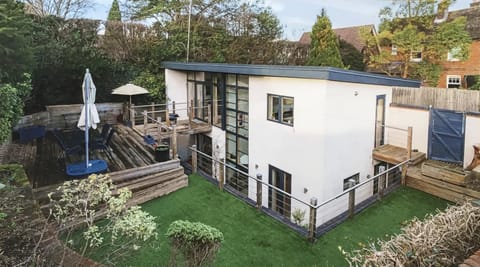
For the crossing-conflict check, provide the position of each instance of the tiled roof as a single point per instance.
(473, 19)
(350, 35)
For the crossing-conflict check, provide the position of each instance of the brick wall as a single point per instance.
(462, 68)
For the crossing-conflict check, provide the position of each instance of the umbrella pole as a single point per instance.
(87, 115)
(129, 107)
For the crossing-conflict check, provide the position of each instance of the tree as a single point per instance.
(12, 99)
(58, 8)
(411, 26)
(114, 13)
(324, 47)
(83, 202)
(351, 57)
(15, 46)
(231, 31)
(17, 57)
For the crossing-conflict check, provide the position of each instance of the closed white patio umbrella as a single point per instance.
(88, 118)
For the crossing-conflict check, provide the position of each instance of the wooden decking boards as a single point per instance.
(395, 155)
(438, 187)
(45, 163)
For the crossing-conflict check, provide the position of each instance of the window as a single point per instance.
(351, 181)
(394, 50)
(453, 54)
(416, 55)
(280, 109)
(453, 81)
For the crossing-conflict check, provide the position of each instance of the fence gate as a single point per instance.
(447, 135)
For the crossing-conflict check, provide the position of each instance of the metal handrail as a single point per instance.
(359, 185)
(251, 177)
(290, 195)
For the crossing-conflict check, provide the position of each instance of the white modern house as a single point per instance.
(309, 131)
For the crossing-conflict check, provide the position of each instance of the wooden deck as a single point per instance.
(395, 155)
(439, 187)
(45, 163)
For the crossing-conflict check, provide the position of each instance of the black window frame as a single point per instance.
(280, 109)
(346, 182)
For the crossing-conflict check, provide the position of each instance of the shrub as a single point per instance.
(444, 239)
(197, 242)
(85, 201)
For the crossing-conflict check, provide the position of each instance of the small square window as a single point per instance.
(280, 109)
(394, 50)
(453, 54)
(454, 81)
(351, 181)
(416, 55)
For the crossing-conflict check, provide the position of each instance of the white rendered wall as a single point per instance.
(332, 137)
(296, 150)
(176, 90)
(400, 117)
(349, 134)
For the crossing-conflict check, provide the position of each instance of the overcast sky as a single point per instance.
(298, 16)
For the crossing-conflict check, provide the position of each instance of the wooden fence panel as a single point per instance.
(441, 98)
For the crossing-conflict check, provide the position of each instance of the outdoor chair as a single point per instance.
(67, 150)
(104, 134)
(103, 143)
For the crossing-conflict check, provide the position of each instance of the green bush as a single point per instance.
(13, 174)
(197, 242)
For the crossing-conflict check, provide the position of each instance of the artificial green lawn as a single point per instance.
(254, 239)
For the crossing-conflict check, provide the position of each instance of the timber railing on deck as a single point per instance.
(160, 115)
(307, 217)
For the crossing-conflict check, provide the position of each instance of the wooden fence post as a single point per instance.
(221, 174)
(159, 128)
(174, 142)
(167, 115)
(409, 143)
(191, 114)
(194, 159)
(215, 113)
(145, 122)
(153, 110)
(209, 111)
(259, 192)
(381, 182)
(351, 203)
(313, 219)
(132, 115)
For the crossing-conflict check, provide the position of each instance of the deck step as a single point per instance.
(440, 188)
(447, 172)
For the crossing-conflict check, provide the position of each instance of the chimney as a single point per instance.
(475, 3)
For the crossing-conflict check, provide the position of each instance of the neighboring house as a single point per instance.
(309, 131)
(456, 73)
(460, 74)
(351, 35)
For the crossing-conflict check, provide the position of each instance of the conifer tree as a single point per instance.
(114, 14)
(324, 47)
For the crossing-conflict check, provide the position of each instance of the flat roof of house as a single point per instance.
(306, 72)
